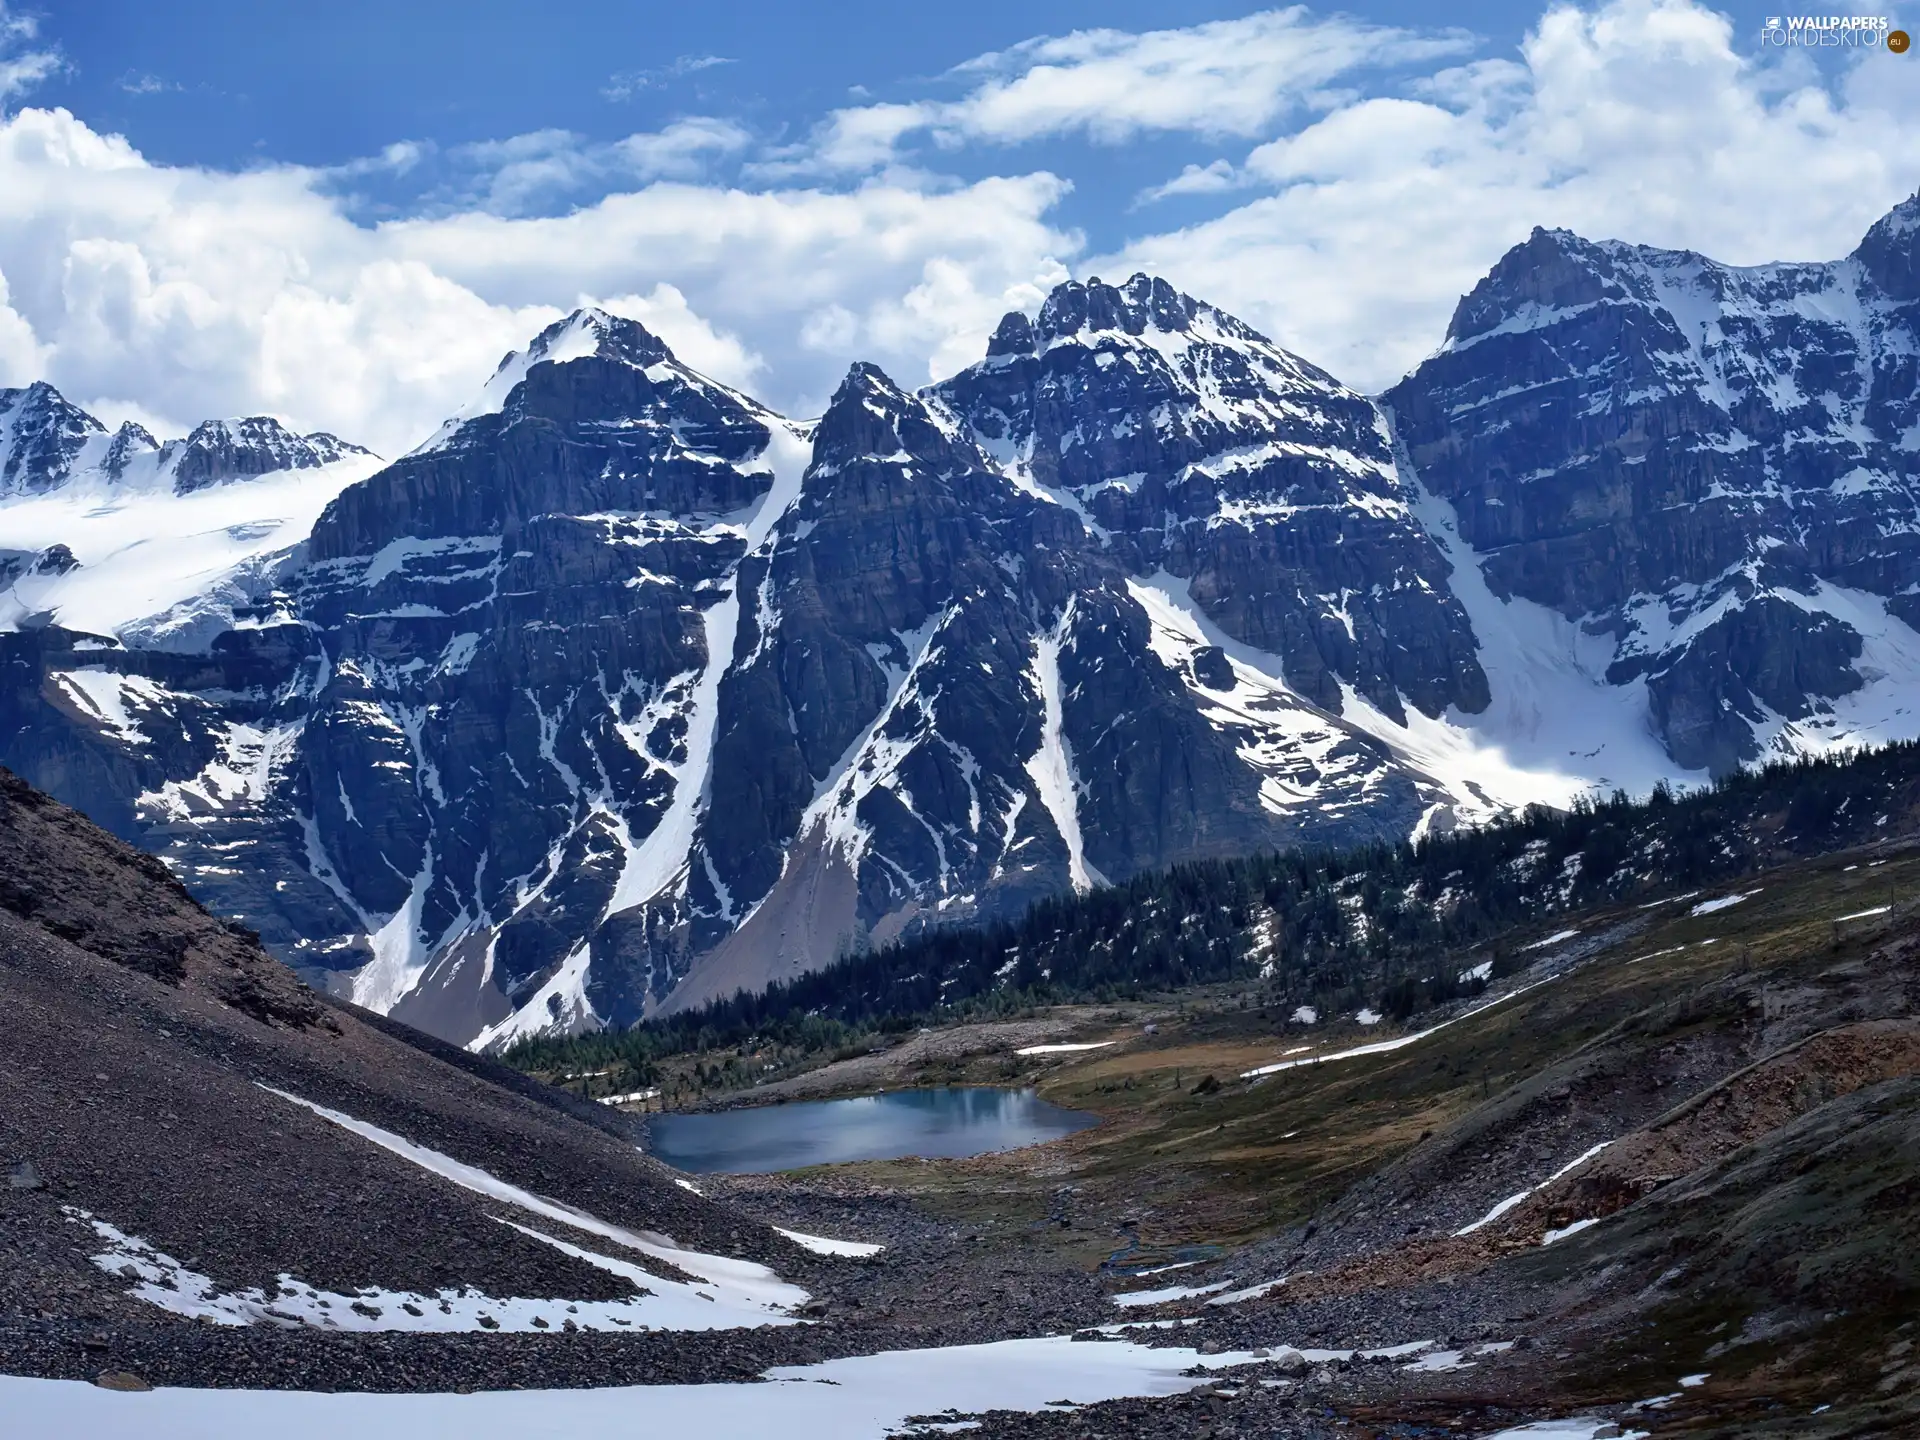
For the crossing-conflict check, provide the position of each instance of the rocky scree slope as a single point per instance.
(622, 692)
(162, 1167)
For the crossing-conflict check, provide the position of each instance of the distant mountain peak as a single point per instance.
(1890, 252)
(221, 450)
(871, 417)
(42, 434)
(591, 331)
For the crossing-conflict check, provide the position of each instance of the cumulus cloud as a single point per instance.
(177, 293)
(1350, 218)
(1638, 119)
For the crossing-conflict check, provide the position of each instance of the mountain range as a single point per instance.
(622, 691)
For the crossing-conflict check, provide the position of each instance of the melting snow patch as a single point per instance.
(1724, 902)
(749, 1289)
(1575, 1228)
(1252, 1292)
(1368, 1017)
(1440, 1360)
(1512, 1200)
(1170, 1294)
(1381, 1047)
(1064, 1049)
(1582, 1428)
(1689, 1382)
(862, 1397)
(1553, 939)
(1306, 1015)
(1669, 900)
(162, 1281)
(820, 1245)
(1863, 914)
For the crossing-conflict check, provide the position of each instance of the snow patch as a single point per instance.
(1051, 767)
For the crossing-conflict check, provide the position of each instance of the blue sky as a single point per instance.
(344, 214)
(229, 83)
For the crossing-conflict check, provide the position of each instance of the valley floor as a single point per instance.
(1661, 1179)
(1684, 1141)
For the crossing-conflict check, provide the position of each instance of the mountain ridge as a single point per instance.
(621, 692)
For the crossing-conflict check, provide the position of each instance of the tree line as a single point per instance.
(1382, 925)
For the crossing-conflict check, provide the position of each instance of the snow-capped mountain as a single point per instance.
(48, 443)
(115, 533)
(1714, 471)
(621, 691)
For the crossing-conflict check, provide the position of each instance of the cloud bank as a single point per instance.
(1360, 180)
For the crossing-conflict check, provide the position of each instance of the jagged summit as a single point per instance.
(590, 366)
(42, 434)
(1890, 251)
(47, 442)
(1549, 271)
(872, 417)
(221, 450)
(1083, 311)
(1199, 448)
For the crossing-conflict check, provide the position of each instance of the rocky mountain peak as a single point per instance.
(1014, 336)
(1890, 251)
(591, 331)
(129, 443)
(597, 369)
(870, 417)
(41, 435)
(221, 450)
(1143, 303)
(1549, 271)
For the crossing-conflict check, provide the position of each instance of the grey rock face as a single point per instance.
(223, 450)
(1690, 457)
(1199, 447)
(42, 434)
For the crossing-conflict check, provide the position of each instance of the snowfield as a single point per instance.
(144, 550)
(864, 1397)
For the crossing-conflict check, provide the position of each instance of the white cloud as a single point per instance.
(175, 293)
(1229, 77)
(630, 83)
(1636, 120)
(141, 83)
(1224, 78)
(1209, 179)
(23, 64)
(22, 357)
(525, 172)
